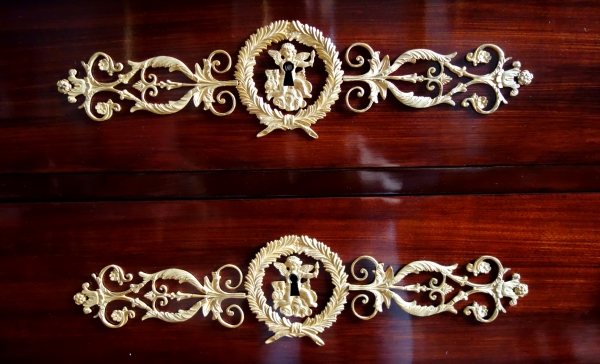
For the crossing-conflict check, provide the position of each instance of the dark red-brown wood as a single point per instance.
(68, 184)
(48, 250)
(552, 121)
(297, 183)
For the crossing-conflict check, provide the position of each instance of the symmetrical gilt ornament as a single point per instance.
(288, 88)
(211, 296)
(275, 118)
(311, 326)
(379, 76)
(293, 297)
(202, 88)
(384, 284)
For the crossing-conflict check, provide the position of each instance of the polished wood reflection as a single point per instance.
(552, 121)
(49, 250)
(443, 184)
(294, 183)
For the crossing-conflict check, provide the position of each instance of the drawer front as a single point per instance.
(49, 250)
(551, 121)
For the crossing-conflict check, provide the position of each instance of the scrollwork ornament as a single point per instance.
(311, 326)
(287, 88)
(380, 74)
(294, 296)
(384, 284)
(202, 89)
(274, 118)
(211, 297)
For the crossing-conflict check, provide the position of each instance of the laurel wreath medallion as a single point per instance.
(274, 118)
(258, 302)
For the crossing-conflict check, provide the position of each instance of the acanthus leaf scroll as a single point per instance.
(379, 78)
(202, 89)
(210, 297)
(384, 285)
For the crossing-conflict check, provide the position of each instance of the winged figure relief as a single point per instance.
(292, 296)
(285, 86)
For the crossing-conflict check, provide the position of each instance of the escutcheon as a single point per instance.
(287, 246)
(287, 87)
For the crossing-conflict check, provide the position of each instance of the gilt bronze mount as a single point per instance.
(294, 297)
(287, 86)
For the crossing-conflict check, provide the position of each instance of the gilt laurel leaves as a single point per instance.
(286, 246)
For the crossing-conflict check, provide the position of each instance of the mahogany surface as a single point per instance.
(196, 191)
(297, 183)
(49, 249)
(551, 121)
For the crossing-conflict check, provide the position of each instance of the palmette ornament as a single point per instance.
(288, 87)
(293, 311)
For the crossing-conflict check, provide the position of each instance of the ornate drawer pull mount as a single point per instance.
(287, 86)
(293, 296)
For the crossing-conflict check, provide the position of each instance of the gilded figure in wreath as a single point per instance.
(285, 86)
(292, 296)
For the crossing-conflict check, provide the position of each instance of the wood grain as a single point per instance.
(74, 193)
(552, 121)
(49, 250)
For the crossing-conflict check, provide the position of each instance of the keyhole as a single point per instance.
(288, 80)
(294, 291)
